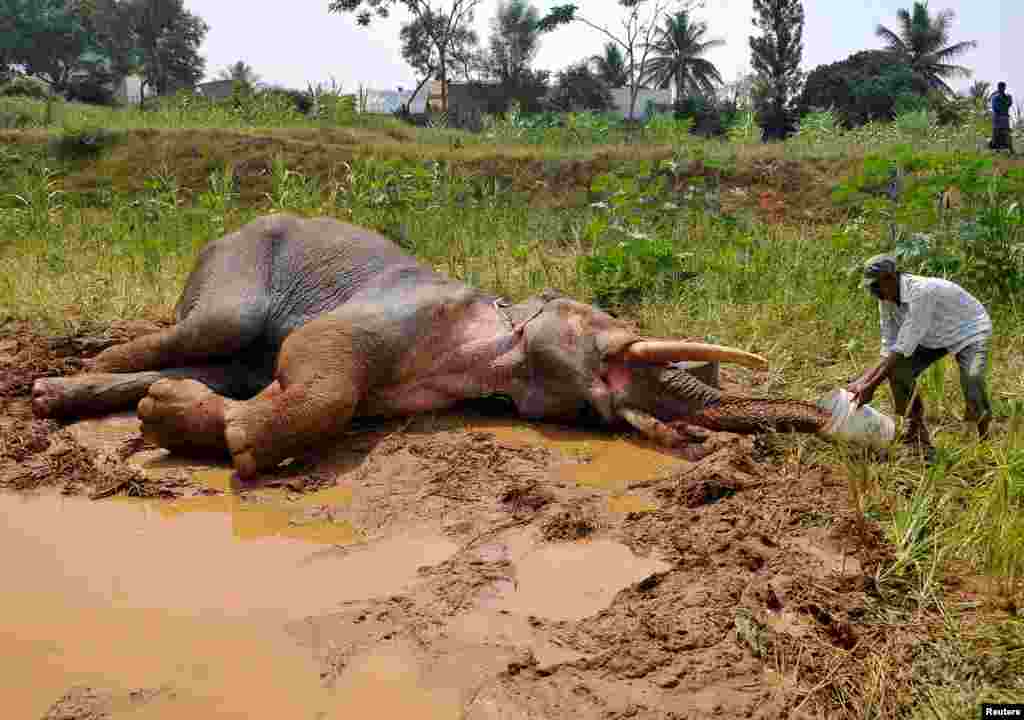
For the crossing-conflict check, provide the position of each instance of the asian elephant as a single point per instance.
(289, 328)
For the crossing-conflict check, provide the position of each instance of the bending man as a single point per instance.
(922, 319)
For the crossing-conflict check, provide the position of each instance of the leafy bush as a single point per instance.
(24, 86)
(949, 111)
(16, 117)
(631, 254)
(242, 108)
(578, 88)
(82, 143)
(818, 127)
(743, 128)
(90, 90)
(666, 128)
(993, 245)
(868, 85)
(300, 99)
(709, 117)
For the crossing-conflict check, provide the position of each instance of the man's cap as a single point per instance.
(877, 265)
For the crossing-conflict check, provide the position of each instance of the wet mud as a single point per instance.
(446, 566)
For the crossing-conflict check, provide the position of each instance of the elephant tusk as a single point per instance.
(666, 351)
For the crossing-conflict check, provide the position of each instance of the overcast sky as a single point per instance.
(299, 42)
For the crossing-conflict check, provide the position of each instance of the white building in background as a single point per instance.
(389, 101)
(128, 89)
(620, 100)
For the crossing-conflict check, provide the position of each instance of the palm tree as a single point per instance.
(980, 92)
(922, 42)
(677, 57)
(611, 67)
(241, 73)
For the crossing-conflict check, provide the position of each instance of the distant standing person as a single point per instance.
(922, 320)
(1002, 101)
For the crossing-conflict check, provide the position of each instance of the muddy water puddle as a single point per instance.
(571, 581)
(136, 594)
(178, 608)
(598, 461)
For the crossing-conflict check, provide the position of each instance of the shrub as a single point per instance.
(578, 88)
(81, 143)
(16, 115)
(301, 100)
(866, 86)
(92, 91)
(710, 118)
(23, 86)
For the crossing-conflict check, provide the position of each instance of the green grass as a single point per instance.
(679, 254)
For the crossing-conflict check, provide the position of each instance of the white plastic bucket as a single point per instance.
(864, 426)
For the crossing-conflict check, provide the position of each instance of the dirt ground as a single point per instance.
(585, 576)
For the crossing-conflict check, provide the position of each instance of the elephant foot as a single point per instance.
(47, 397)
(184, 416)
(263, 432)
(250, 439)
(249, 454)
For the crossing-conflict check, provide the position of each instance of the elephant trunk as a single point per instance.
(751, 415)
(708, 407)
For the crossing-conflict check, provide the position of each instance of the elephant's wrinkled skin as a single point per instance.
(288, 328)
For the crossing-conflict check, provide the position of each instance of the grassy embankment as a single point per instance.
(756, 246)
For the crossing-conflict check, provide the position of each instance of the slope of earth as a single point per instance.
(774, 187)
(465, 565)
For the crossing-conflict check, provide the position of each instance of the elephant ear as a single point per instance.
(520, 312)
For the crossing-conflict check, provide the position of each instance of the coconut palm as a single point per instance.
(242, 73)
(676, 57)
(611, 67)
(980, 92)
(923, 43)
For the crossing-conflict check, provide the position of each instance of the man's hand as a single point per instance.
(863, 393)
(863, 388)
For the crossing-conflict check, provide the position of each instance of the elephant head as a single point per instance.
(580, 359)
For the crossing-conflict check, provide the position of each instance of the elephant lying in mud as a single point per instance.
(289, 328)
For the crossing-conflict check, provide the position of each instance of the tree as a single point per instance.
(775, 56)
(420, 50)
(114, 22)
(922, 42)
(513, 44)
(436, 31)
(980, 92)
(514, 41)
(49, 38)
(866, 86)
(577, 86)
(167, 37)
(611, 66)
(7, 43)
(677, 57)
(635, 38)
(241, 73)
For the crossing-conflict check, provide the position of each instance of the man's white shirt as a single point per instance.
(933, 313)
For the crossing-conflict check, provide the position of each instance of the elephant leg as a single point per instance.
(223, 308)
(208, 333)
(101, 393)
(187, 417)
(321, 378)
